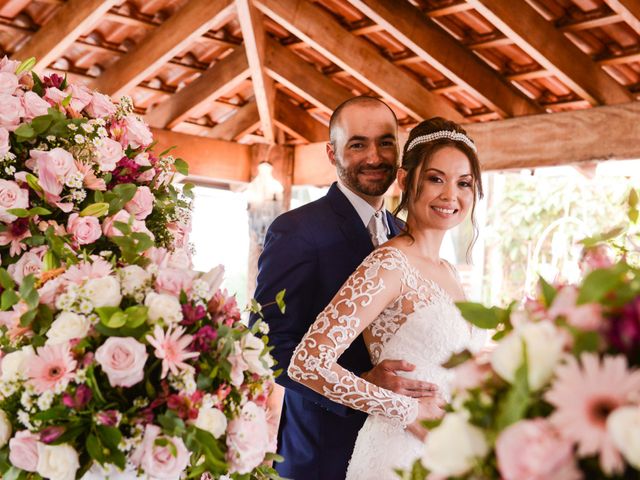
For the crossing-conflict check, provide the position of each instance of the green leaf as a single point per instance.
(13, 474)
(514, 405)
(458, 359)
(481, 316)
(50, 261)
(94, 449)
(171, 423)
(32, 181)
(39, 211)
(5, 280)
(57, 412)
(254, 306)
(110, 436)
(93, 384)
(187, 190)
(633, 215)
(136, 315)
(95, 210)
(105, 313)
(280, 300)
(67, 101)
(24, 132)
(181, 166)
(125, 191)
(610, 235)
(41, 124)
(601, 282)
(165, 442)
(26, 65)
(633, 198)
(8, 299)
(18, 212)
(548, 292)
(38, 87)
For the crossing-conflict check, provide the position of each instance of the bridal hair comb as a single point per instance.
(448, 134)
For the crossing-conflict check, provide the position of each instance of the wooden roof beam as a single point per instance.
(255, 38)
(195, 99)
(420, 35)
(321, 31)
(629, 10)
(296, 121)
(161, 44)
(302, 78)
(245, 120)
(550, 48)
(72, 19)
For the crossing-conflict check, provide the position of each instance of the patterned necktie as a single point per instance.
(377, 230)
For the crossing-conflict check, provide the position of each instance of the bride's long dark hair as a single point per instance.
(415, 161)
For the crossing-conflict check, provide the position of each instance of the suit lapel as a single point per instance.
(394, 225)
(350, 222)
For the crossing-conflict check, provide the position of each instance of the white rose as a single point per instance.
(212, 420)
(452, 448)
(57, 462)
(623, 424)
(544, 349)
(133, 278)
(5, 429)
(15, 363)
(252, 347)
(163, 306)
(67, 326)
(104, 292)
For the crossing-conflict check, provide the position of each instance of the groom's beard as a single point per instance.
(355, 178)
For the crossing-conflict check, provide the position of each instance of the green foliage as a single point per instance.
(484, 317)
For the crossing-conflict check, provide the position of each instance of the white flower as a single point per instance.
(252, 348)
(68, 326)
(57, 462)
(163, 306)
(451, 448)
(5, 429)
(133, 278)
(15, 363)
(214, 278)
(544, 349)
(45, 400)
(104, 292)
(73, 127)
(212, 420)
(79, 139)
(623, 424)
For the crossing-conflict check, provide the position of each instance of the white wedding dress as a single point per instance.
(422, 326)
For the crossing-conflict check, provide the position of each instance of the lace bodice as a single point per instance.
(402, 315)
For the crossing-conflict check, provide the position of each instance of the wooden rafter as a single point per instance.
(245, 120)
(545, 44)
(161, 44)
(629, 10)
(207, 158)
(72, 19)
(322, 32)
(421, 35)
(255, 38)
(11, 8)
(298, 122)
(298, 76)
(195, 99)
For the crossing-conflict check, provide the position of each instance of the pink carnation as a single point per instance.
(247, 439)
(157, 459)
(85, 230)
(534, 450)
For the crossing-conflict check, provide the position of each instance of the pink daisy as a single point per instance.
(584, 398)
(53, 365)
(82, 271)
(171, 347)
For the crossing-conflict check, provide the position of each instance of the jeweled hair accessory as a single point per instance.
(448, 134)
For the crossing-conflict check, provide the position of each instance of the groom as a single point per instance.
(311, 251)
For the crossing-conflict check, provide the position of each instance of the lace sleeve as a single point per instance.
(374, 285)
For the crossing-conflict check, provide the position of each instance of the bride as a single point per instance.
(401, 298)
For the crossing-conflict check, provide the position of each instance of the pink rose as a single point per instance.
(158, 461)
(247, 439)
(173, 280)
(81, 96)
(34, 106)
(180, 258)
(180, 233)
(10, 112)
(7, 65)
(8, 83)
(108, 227)
(141, 205)
(142, 159)
(54, 96)
(470, 374)
(140, 227)
(11, 196)
(85, 230)
(138, 133)
(158, 256)
(122, 359)
(587, 316)
(534, 450)
(4, 142)
(108, 153)
(100, 106)
(147, 176)
(23, 450)
(30, 263)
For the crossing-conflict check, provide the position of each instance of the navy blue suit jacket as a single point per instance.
(311, 251)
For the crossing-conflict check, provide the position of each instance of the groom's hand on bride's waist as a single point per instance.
(385, 375)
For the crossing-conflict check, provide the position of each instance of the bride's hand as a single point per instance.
(429, 408)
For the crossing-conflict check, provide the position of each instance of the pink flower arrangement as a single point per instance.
(111, 346)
